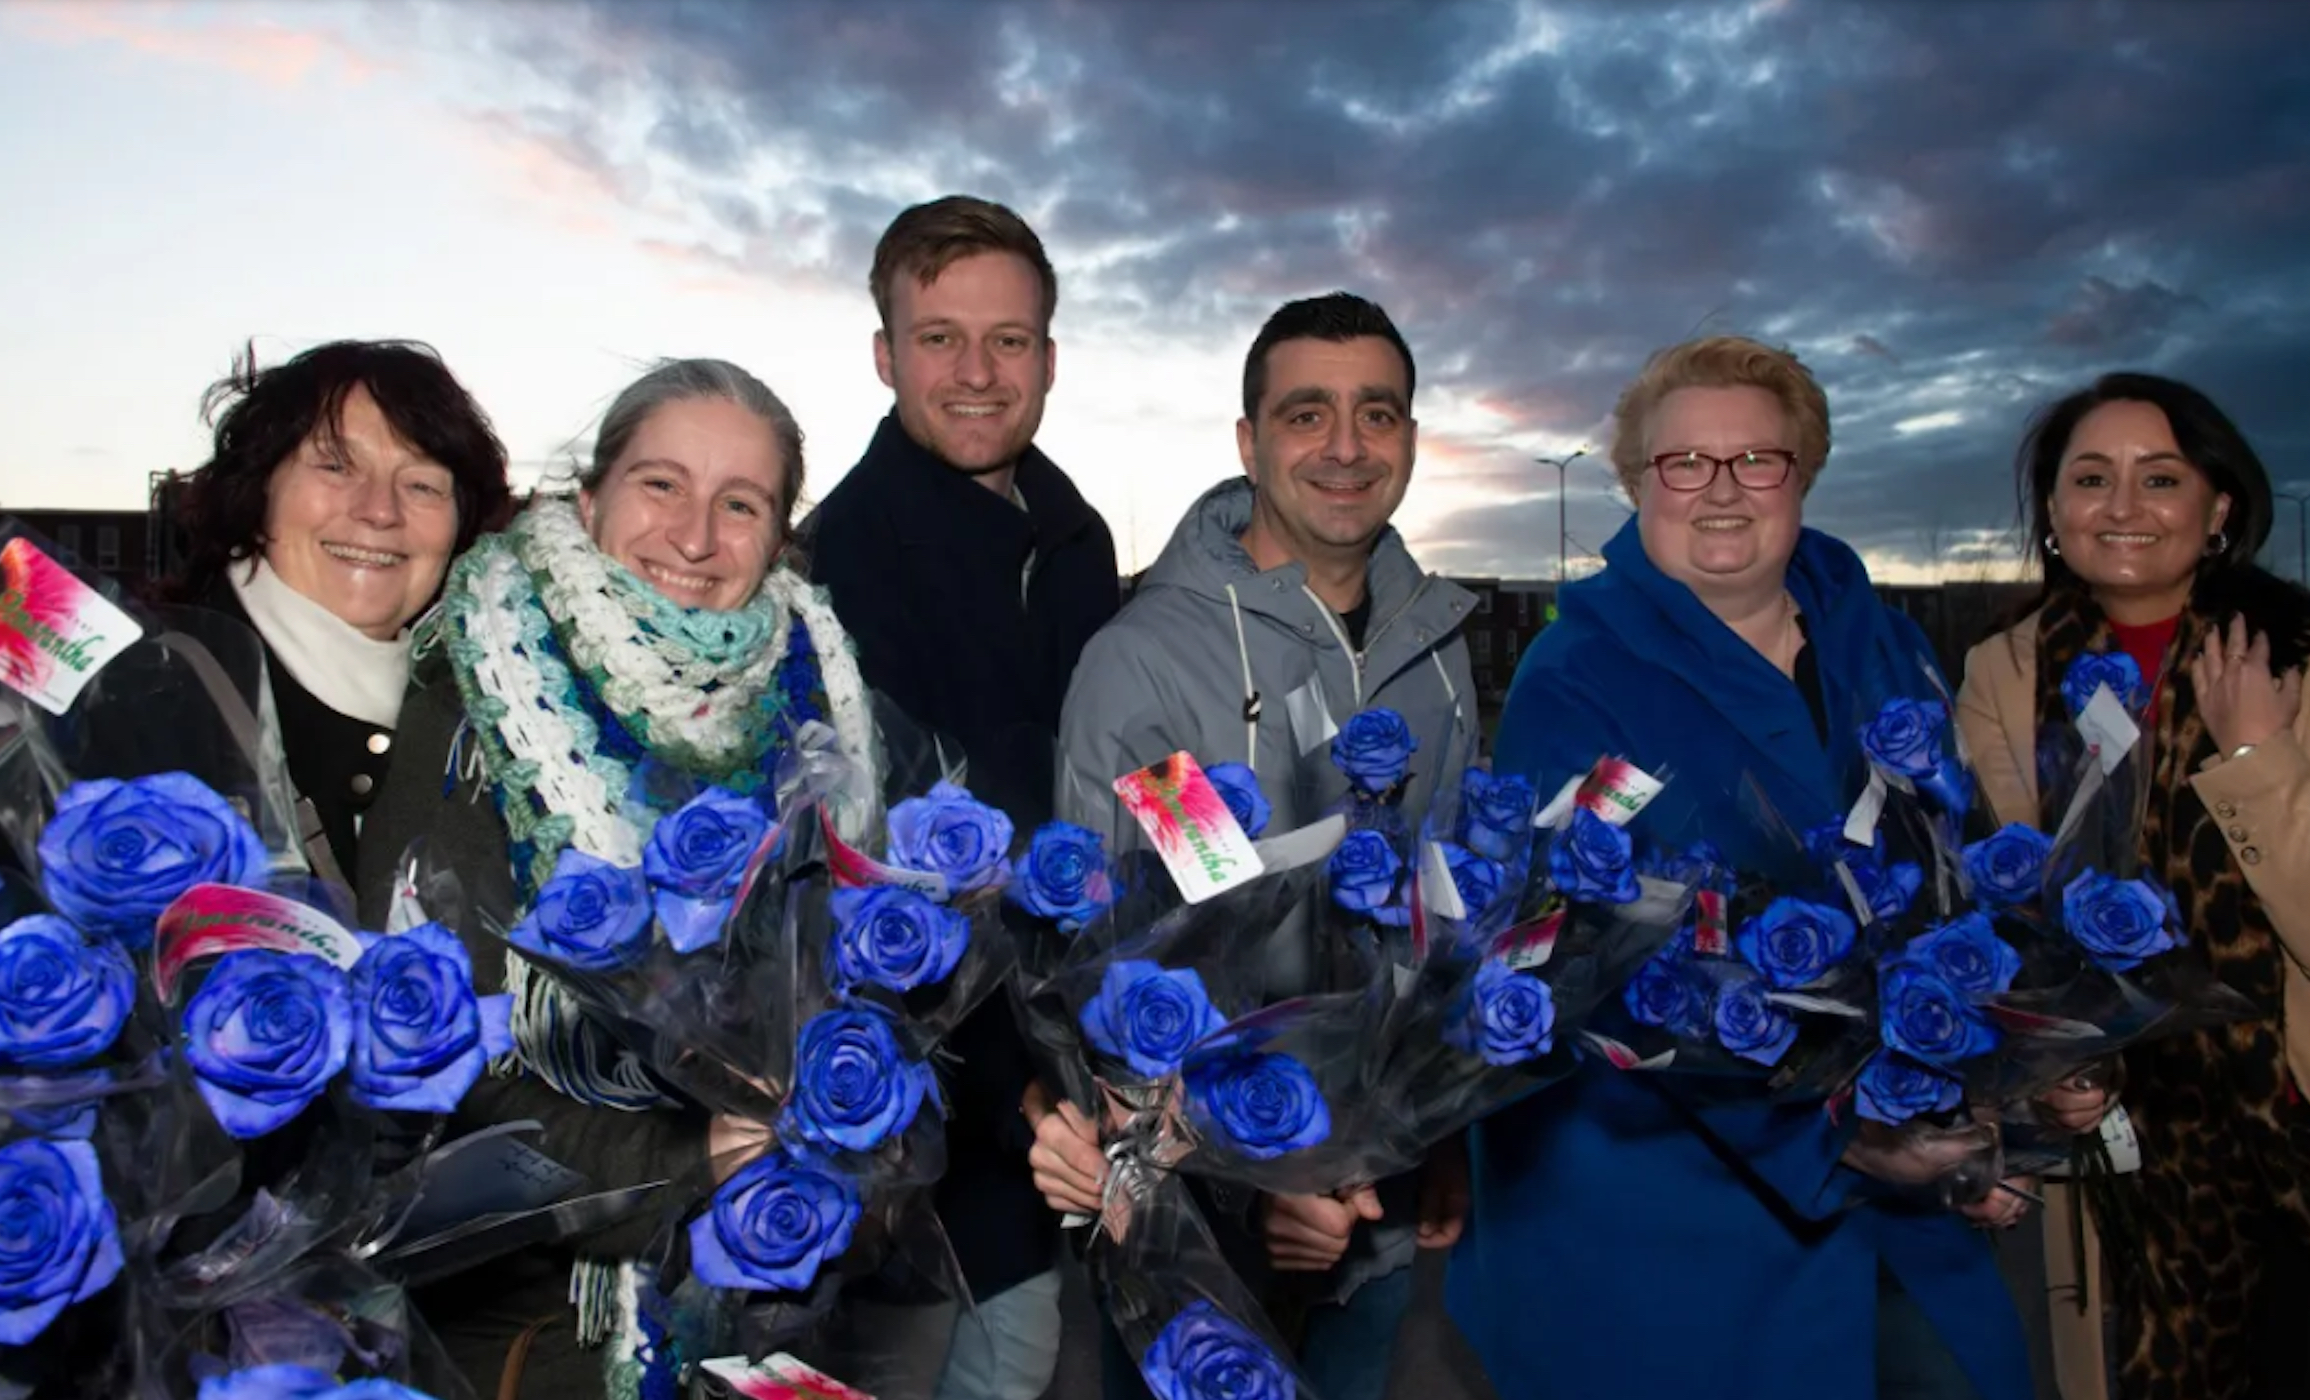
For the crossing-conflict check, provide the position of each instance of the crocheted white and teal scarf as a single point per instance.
(599, 706)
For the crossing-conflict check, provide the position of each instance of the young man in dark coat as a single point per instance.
(970, 572)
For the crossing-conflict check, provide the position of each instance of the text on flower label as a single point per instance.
(227, 918)
(1188, 821)
(56, 632)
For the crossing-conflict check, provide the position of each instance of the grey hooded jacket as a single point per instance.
(1236, 665)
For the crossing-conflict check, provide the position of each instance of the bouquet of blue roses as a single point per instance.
(765, 968)
(1773, 984)
(197, 1061)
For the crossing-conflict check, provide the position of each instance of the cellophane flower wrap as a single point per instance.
(177, 993)
(766, 967)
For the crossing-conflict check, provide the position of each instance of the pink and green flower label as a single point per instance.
(223, 919)
(56, 632)
(1184, 815)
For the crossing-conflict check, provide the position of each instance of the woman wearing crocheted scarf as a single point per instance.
(607, 658)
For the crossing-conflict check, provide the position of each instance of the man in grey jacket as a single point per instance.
(1283, 605)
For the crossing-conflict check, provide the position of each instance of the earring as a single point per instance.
(2052, 546)
(2218, 546)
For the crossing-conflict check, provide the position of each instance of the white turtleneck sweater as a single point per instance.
(344, 668)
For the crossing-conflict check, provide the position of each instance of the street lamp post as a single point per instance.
(2301, 500)
(1563, 534)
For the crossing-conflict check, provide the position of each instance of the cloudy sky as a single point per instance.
(1953, 211)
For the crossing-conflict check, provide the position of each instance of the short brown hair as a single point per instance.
(1722, 362)
(928, 238)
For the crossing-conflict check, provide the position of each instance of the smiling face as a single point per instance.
(969, 360)
(692, 504)
(361, 522)
(1727, 540)
(1331, 451)
(2131, 514)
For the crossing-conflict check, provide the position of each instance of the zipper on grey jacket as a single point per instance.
(1356, 658)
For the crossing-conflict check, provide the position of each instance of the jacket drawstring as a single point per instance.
(1250, 694)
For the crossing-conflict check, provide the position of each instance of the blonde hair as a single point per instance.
(1722, 362)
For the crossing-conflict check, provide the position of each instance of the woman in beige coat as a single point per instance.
(2147, 507)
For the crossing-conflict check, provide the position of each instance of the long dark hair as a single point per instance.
(2228, 581)
(260, 418)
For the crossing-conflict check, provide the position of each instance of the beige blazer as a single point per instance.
(2263, 803)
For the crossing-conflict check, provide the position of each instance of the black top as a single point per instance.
(337, 762)
(1808, 677)
(970, 613)
(1356, 621)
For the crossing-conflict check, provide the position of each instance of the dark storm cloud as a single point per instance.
(1949, 209)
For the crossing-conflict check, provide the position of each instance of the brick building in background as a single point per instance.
(134, 548)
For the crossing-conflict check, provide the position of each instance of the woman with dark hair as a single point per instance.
(339, 486)
(2146, 506)
(609, 656)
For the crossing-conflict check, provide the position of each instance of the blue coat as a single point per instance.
(1625, 1244)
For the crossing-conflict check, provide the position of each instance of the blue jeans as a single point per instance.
(1346, 1354)
(1010, 1349)
(1350, 1346)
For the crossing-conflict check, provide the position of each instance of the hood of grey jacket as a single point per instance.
(1236, 664)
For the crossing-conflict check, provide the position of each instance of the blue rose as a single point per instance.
(59, 1242)
(1265, 1105)
(951, 833)
(1889, 890)
(1968, 952)
(1894, 1089)
(265, 1034)
(1794, 942)
(1825, 842)
(1508, 1017)
(118, 853)
(695, 861)
(1746, 1021)
(592, 915)
(2094, 669)
(275, 1382)
(2120, 923)
(62, 998)
(1925, 1016)
(1905, 737)
(1700, 864)
(1062, 876)
(1367, 878)
(1477, 878)
(1495, 813)
(895, 938)
(855, 1088)
(1374, 749)
(285, 1381)
(421, 1038)
(1591, 861)
(774, 1224)
(1238, 787)
(1147, 1015)
(1203, 1354)
(2007, 868)
(1668, 992)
